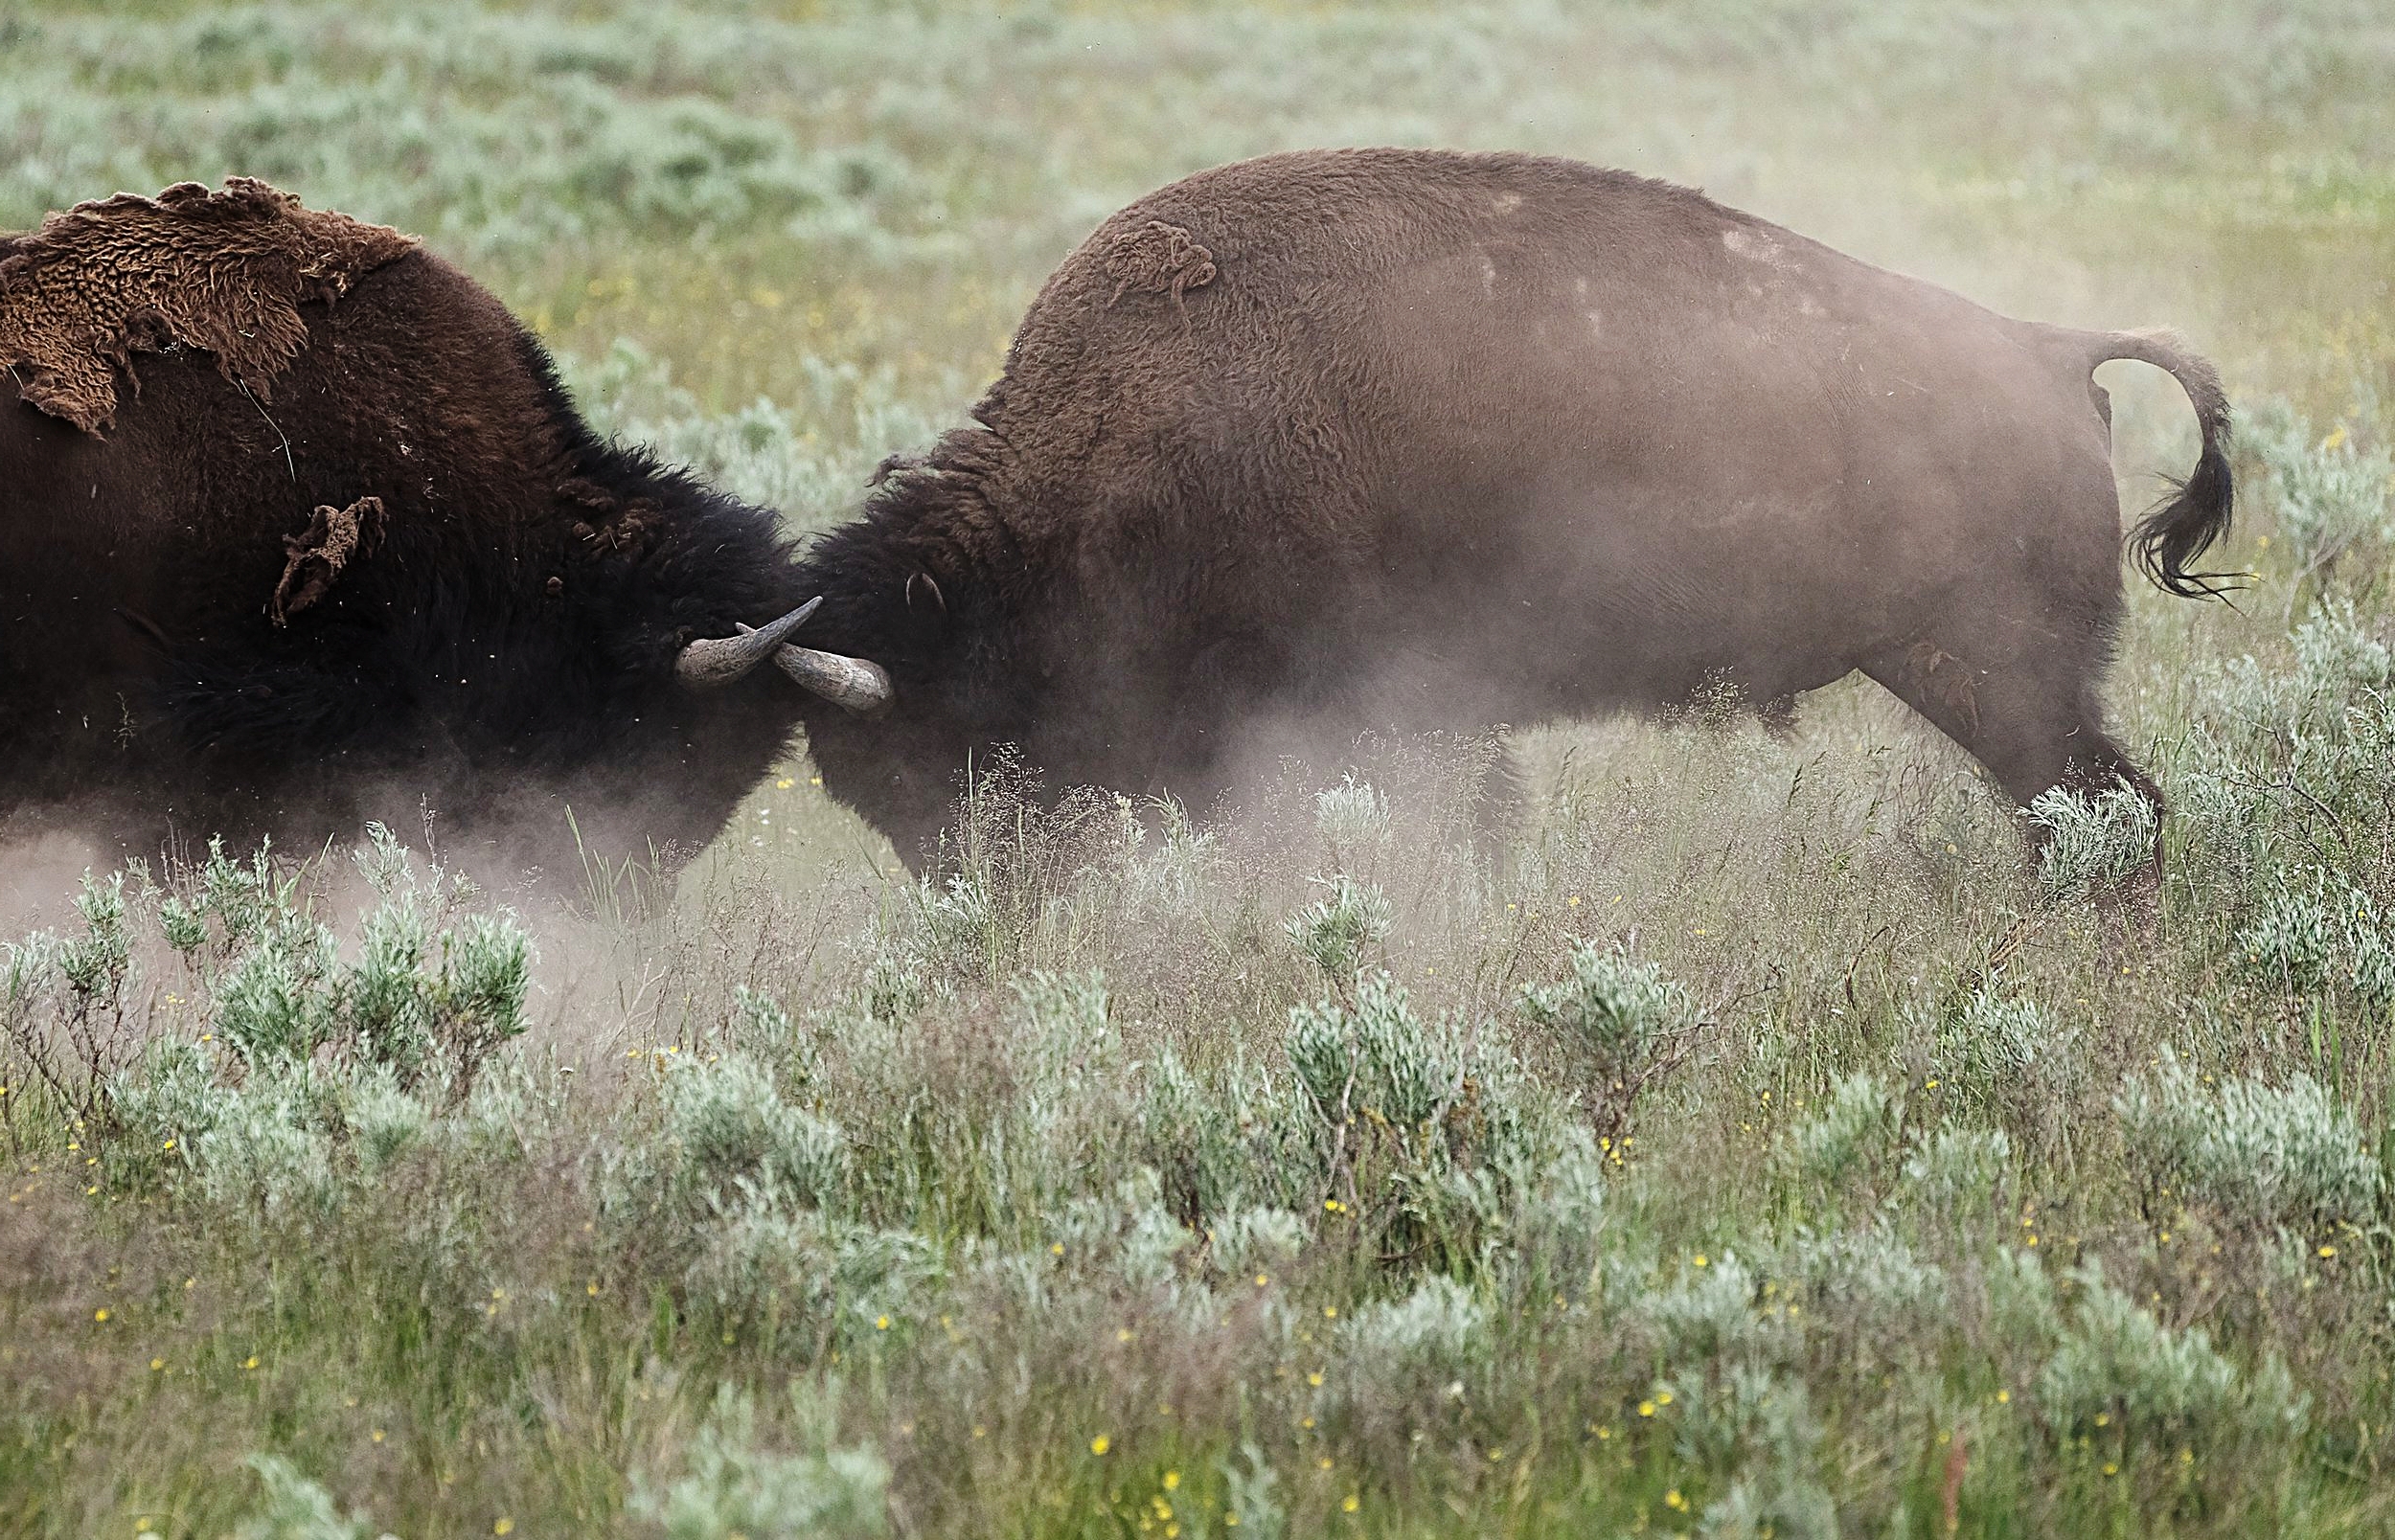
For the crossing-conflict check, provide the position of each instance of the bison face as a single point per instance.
(899, 773)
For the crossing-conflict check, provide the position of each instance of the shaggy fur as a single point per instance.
(225, 272)
(1353, 440)
(481, 604)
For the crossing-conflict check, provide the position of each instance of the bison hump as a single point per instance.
(224, 271)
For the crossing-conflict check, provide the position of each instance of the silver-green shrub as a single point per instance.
(2092, 843)
(277, 1001)
(294, 1508)
(774, 456)
(1190, 1137)
(1757, 1427)
(2011, 1059)
(282, 1076)
(1071, 1105)
(1708, 1315)
(813, 1275)
(2120, 1368)
(1133, 1234)
(272, 1152)
(733, 1490)
(2337, 655)
(1337, 930)
(2307, 937)
(94, 962)
(433, 990)
(1615, 1017)
(2331, 492)
(1556, 1230)
(1257, 1240)
(1436, 1334)
(1251, 1492)
(1872, 1281)
(727, 1130)
(171, 1096)
(1375, 1059)
(1353, 819)
(1424, 1125)
(2290, 759)
(1850, 1136)
(1959, 1172)
(2274, 1155)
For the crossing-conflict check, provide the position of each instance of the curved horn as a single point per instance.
(852, 682)
(714, 662)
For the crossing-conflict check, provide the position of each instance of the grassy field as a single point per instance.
(1761, 1150)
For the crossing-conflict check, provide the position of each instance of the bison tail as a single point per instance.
(2197, 514)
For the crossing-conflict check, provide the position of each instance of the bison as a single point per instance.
(298, 528)
(1293, 448)
(1415, 439)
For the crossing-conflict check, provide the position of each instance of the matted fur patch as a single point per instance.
(316, 556)
(1158, 259)
(222, 271)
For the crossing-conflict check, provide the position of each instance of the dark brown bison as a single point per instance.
(1410, 439)
(1294, 448)
(297, 529)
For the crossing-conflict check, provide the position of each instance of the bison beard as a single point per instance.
(1299, 448)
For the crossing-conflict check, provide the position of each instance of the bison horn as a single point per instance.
(714, 662)
(860, 686)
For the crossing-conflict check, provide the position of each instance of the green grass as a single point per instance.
(1761, 1151)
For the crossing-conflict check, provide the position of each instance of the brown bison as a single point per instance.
(1411, 439)
(1290, 449)
(297, 529)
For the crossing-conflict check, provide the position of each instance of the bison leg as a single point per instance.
(2033, 721)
